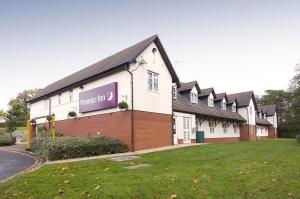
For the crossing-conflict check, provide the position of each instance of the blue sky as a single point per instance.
(230, 45)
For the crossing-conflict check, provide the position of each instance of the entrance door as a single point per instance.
(186, 130)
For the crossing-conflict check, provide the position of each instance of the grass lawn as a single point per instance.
(262, 169)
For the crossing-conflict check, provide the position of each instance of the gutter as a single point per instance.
(132, 110)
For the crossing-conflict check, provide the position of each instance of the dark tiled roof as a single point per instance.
(187, 86)
(108, 64)
(269, 109)
(205, 92)
(243, 99)
(262, 121)
(183, 105)
(220, 96)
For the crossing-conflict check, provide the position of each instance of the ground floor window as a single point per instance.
(224, 128)
(212, 127)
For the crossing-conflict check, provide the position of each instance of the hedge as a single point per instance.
(298, 138)
(5, 141)
(75, 147)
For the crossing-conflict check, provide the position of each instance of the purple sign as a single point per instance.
(100, 98)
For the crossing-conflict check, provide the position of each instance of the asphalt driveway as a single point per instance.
(12, 163)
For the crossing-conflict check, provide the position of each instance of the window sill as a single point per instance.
(153, 91)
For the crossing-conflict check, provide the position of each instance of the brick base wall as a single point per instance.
(150, 129)
(221, 140)
(272, 132)
(262, 137)
(247, 132)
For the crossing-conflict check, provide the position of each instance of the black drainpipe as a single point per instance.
(132, 111)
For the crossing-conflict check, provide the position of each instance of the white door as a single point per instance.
(175, 138)
(186, 130)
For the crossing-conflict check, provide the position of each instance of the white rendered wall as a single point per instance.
(144, 100)
(218, 133)
(179, 124)
(273, 120)
(61, 110)
(245, 113)
(151, 101)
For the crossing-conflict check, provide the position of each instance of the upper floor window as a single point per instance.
(234, 108)
(210, 101)
(71, 96)
(46, 104)
(194, 98)
(174, 92)
(152, 81)
(251, 111)
(264, 116)
(259, 115)
(59, 99)
(223, 105)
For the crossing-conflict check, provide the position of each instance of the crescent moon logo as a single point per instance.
(109, 96)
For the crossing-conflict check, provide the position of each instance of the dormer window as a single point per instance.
(234, 108)
(194, 98)
(264, 116)
(223, 105)
(210, 102)
(260, 116)
(174, 92)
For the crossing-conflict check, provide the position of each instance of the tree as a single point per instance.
(18, 112)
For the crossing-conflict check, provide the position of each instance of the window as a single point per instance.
(152, 81)
(234, 108)
(194, 98)
(224, 128)
(59, 99)
(223, 105)
(46, 104)
(210, 101)
(260, 115)
(212, 127)
(264, 116)
(235, 128)
(71, 96)
(174, 92)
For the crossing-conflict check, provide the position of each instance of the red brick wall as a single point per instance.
(222, 140)
(152, 130)
(271, 132)
(116, 125)
(248, 132)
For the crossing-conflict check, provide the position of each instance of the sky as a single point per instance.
(232, 46)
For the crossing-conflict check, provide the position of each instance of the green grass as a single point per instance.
(262, 169)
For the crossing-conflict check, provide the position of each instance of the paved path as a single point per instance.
(13, 163)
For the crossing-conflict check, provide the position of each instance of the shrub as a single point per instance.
(298, 138)
(75, 147)
(5, 141)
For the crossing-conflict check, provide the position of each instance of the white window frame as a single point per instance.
(152, 81)
(211, 128)
(194, 98)
(59, 99)
(223, 105)
(224, 126)
(211, 102)
(71, 96)
(174, 92)
(234, 108)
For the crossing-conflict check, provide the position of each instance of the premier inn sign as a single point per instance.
(100, 98)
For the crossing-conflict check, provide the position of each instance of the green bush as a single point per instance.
(298, 138)
(75, 147)
(5, 141)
